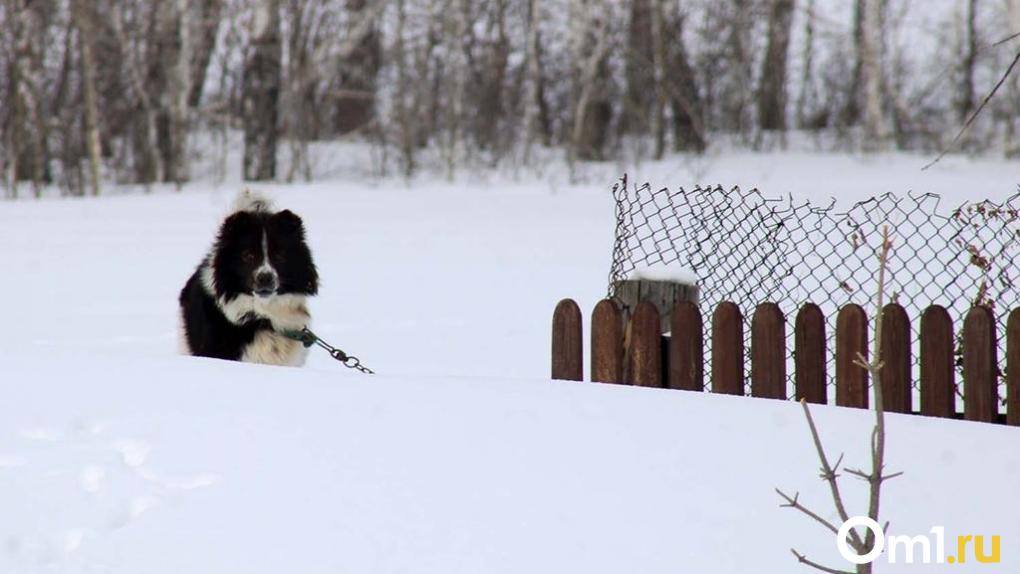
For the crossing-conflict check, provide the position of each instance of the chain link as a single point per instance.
(308, 338)
(748, 248)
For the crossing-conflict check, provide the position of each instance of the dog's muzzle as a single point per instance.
(265, 284)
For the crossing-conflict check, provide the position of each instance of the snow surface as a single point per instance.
(118, 456)
(661, 272)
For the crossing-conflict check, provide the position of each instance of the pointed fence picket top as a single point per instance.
(607, 342)
(938, 369)
(768, 352)
(1013, 368)
(727, 349)
(980, 368)
(686, 349)
(637, 353)
(809, 355)
(644, 354)
(896, 389)
(851, 343)
(567, 344)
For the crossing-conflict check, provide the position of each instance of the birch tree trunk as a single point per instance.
(88, 89)
(875, 130)
(261, 93)
(592, 110)
(206, 31)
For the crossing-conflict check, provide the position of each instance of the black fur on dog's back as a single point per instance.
(221, 315)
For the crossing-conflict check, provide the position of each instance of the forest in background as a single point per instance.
(128, 91)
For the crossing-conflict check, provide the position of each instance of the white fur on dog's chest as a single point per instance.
(272, 348)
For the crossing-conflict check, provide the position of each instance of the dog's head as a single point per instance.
(262, 253)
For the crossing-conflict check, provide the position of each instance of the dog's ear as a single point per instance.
(288, 220)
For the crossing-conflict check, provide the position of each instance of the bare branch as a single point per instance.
(804, 560)
(796, 505)
(829, 473)
(976, 113)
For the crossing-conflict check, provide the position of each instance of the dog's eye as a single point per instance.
(248, 256)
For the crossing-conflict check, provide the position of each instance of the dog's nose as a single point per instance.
(265, 283)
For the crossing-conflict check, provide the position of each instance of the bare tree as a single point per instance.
(27, 153)
(966, 99)
(772, 86)
(876, 477)
(639, 68)
(876, 132)
(174, 75)
(592, 109)
(147, 161)
(262, 93)
(84, 26)
(536, 110)
(206, 30)
(354, 102)
(689, 133)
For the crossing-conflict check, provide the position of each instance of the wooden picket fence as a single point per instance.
(637, 354)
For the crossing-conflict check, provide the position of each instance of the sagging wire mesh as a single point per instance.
(748, 248)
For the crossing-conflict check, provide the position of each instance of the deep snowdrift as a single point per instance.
(177, 465)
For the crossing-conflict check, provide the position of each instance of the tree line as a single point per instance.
(132, 91)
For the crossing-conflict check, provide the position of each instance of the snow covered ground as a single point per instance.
(118, 456)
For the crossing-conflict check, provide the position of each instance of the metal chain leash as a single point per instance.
(308, 338)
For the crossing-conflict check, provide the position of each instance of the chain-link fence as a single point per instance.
(748, 248)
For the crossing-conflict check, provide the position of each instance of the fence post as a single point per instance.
(686, 348)
(567, 352)
(980, 385)
(938, 369)
(809, 355)
(607, 342)
(896, 389)
(768, 352)
(645, 352)
(1013, 368)
(727, 349)
(851, 340)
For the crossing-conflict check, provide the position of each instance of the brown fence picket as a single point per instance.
(567, 348)
(980, 384)
(938, 370)
(645, 351)
(768, 352)
(809, 355)
(686, 348)
(727, 349)
(1013, 368)
(896, 389)
(851, 340)
(607, 342)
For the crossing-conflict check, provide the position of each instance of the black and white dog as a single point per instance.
(251, 288)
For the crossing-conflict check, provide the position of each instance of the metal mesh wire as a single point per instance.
(748, 248)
